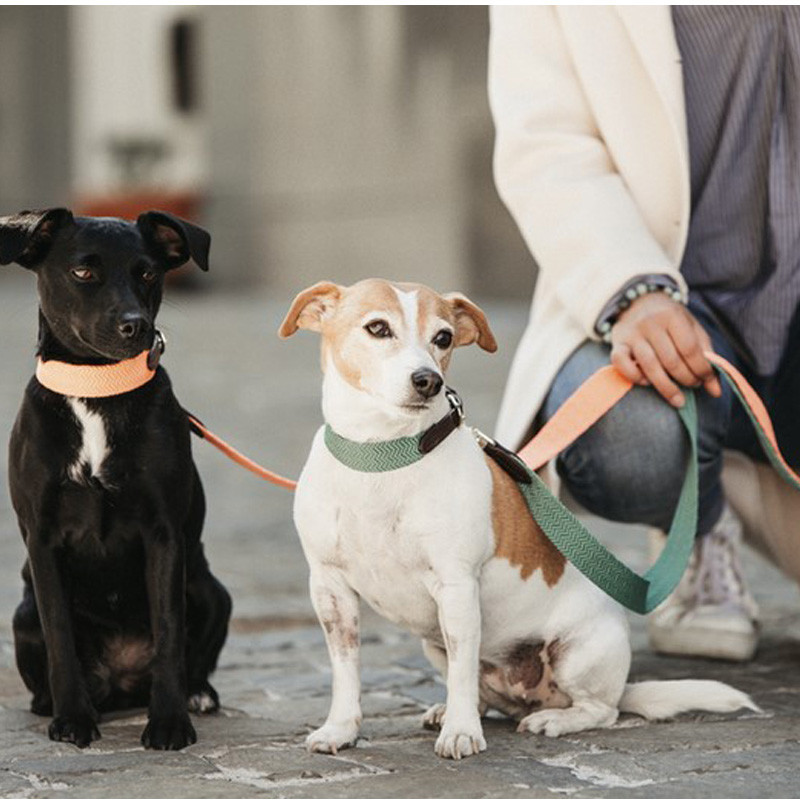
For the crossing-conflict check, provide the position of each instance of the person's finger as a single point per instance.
(622, 359)
(691, 341)
(711, 383)
(670, 359)
(651, 367)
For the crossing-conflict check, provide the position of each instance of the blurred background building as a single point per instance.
(312, 141)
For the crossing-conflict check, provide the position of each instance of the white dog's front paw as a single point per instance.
(332, 737)
(460, 740)
(433, 718)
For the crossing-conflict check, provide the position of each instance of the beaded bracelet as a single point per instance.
(631, 294)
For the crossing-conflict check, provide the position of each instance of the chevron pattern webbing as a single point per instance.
(374, 456)
(636, 592)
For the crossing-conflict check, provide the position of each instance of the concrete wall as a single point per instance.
(123, 91)
(35, 97)
(342, 146)
(355, 141)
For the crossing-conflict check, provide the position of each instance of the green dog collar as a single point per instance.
(393, 454)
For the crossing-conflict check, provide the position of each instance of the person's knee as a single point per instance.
(630, 465)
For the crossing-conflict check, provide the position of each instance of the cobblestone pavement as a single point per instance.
(262, 394)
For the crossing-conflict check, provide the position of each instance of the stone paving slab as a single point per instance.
(274, 678)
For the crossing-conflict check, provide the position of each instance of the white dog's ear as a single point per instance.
(309, 307)
(471, 323)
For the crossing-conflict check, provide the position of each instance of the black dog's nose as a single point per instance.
(132, 325)
(427, 382)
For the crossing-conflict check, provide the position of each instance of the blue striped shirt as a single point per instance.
(741, 70)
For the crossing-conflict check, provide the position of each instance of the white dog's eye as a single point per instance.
(443, 339)
(378, 328)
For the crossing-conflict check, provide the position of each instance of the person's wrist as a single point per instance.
(629, 296)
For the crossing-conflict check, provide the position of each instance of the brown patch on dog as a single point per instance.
(518, 538)
(523, 681)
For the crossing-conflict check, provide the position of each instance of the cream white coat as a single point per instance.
(592, 161)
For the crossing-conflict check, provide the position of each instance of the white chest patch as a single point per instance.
(94, 442)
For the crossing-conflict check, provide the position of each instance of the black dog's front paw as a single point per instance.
(79, 729)
(169, 733)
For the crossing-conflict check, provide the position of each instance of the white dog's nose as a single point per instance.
(427, 382)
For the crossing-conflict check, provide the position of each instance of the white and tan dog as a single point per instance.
(446, 547)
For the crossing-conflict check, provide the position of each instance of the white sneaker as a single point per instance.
(711, 613)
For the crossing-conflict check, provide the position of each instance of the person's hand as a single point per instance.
(657, 341)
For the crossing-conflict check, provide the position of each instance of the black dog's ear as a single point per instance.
(26, 237)
(175, 240)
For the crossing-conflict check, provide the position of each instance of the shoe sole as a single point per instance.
(709, 643)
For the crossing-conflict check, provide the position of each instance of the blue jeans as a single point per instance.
(629, 467)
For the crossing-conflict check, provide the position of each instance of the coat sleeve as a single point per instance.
(554, 172)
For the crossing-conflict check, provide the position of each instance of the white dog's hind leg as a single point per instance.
(460, 621)
(433, 718)
(591, 669)
(337, 607)
(581, 716)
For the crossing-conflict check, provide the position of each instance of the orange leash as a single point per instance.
(590, 401)
(237, 457)
(606, 387)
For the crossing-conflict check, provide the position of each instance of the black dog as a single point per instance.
(119, 607)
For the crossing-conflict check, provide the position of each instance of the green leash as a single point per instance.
(639, 593)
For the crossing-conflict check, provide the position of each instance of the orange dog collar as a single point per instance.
(106, 380)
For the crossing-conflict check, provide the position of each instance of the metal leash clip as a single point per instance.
(455, 402)
(506, 459)
(481, 438)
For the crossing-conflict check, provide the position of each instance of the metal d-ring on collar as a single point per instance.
(393, 454)
(157, 350)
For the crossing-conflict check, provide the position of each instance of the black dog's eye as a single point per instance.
(149, 275)
(82, 274)
(379, 329)
(443, 339)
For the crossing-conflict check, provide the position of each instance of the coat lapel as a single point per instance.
(653, 36)
(628, 62)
